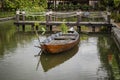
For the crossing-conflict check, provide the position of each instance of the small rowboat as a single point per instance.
(59, 42)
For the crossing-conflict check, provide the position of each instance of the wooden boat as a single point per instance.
(59, 42)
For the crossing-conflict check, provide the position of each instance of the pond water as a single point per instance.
(96, 57)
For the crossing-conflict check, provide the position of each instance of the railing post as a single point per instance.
(17, 18)
(78, 17)
(108, 17)
(23, 15)
(93, 28)
(47, 18)
(50, 19)
(79, 29)
(32, 27)
(109, 29)
(78, 20)
(50, 16)
(17, 15)
(37, 28)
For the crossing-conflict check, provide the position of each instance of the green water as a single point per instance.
(95, 58)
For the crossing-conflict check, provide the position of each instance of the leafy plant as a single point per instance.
(64, 27)
(103, 29)
(36, 32)
(85, 7)
(116, 17)
(42, 28)
(32, 5)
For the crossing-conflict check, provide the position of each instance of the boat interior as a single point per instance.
(61, 37)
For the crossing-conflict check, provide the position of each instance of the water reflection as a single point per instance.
(110, 57)
(6, 34)
(10, 39)
(49, 61)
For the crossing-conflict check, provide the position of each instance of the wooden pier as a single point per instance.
(49, 22)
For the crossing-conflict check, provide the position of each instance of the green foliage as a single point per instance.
(85, 7)
(117, 3)
(64, 28)
(103, 29)
(42, 28)
(34, 5)
(116, 17)
(70, 6)
(59, 7)
(36, 24)
(77, 6)
(84, 28)
(107, 4)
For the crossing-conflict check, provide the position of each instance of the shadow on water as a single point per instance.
(49, 61)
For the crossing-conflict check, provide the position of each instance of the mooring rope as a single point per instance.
(69, 14)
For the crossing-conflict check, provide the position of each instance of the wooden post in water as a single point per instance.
(109, 29)
(79, 29)
(50, 28)
(17, 15)
(17, 18)
(78, 20)
(50, 19)
(47, 20)
(23, 19)
(108, 17)
(109, 21)
(37, 28)
(32, 27)
(93, 28)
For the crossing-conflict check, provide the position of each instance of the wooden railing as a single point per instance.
(56, 18)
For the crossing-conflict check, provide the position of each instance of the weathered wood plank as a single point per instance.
(96, 24)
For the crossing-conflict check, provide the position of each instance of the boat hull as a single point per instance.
(53, 49)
